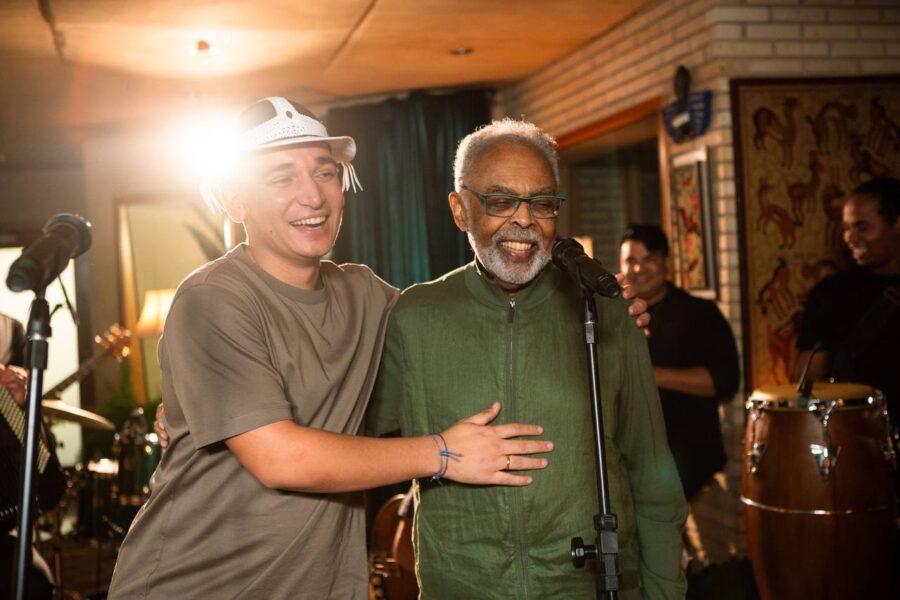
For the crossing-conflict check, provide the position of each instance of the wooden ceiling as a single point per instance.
(72, 67)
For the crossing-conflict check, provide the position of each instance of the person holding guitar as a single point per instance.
(51, 481)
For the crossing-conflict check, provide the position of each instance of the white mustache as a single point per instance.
(522, 236)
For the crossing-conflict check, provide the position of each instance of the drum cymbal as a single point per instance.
(57, 409)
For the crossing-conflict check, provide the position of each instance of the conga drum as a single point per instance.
(818, 492)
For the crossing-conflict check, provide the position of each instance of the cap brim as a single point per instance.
(343, 148)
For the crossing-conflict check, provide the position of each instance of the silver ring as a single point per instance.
(507, 463)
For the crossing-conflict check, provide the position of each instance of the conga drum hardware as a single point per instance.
(755, 455)
(826, 458)
(826, 453)
(800, 501)
(888, 447)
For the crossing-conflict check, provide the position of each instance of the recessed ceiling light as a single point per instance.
(204, 49)
(462, 51)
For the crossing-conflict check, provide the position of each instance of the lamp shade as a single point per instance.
(153, 314)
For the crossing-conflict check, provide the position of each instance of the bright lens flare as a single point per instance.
(205, 144)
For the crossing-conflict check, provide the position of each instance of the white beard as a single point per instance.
(493, 258)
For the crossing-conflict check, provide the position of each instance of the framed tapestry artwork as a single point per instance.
(801, 147)
(692, 231)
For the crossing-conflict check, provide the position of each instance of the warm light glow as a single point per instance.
(153, 315)
(226, 234)
(204, 145)
(205, 51)
(587, 242)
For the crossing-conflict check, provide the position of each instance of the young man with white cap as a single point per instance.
(268, 358)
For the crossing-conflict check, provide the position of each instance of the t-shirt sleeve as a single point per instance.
(721, 358)
(215, 356)
(383, 415)
(659, 504)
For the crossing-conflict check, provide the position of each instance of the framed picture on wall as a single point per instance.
(693, 239)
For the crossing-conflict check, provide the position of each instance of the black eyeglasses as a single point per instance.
(506, 205)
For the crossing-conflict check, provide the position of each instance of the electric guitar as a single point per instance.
(50, 483)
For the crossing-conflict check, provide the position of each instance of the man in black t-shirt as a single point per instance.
(849, 315)
(695, 364)
(693, 353)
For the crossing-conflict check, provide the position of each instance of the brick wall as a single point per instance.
(608, 219)
(717, 40)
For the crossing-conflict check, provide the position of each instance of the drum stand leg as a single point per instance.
(58, 593)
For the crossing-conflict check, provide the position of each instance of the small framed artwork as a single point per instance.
(693, 239)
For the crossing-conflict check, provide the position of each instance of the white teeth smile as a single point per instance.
(516, 246)
(312, 222)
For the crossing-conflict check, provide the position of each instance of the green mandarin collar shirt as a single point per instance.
(457, 344)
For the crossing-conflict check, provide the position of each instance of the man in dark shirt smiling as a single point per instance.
(695, 364)
(693, 353)
(853, 345)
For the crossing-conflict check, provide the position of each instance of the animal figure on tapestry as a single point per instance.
(688, 204)
(767, 124)
(776, 292)
(864, 163)
(815, 272)
(832, 117)
(770, 212)
(781, 347)
(803, 193)
(689, 221)
(833, 198)
(884, 133)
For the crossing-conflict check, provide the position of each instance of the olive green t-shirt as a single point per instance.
(241, 350)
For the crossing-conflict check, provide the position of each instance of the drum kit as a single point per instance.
(102, 495)
(109, 490)
(818, 490)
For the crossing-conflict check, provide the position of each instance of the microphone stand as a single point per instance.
(36, 358)
(605, 549)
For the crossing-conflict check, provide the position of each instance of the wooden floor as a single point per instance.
(81, 565)
(84, 568)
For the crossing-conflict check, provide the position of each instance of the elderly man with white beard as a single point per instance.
(508, 327)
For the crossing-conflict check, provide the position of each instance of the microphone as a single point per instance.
(65, 236)
(569, 256)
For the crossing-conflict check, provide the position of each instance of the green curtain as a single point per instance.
(400, 224)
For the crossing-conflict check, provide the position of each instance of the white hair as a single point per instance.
(505, 130)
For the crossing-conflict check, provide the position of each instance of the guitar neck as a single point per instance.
(78, 375)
